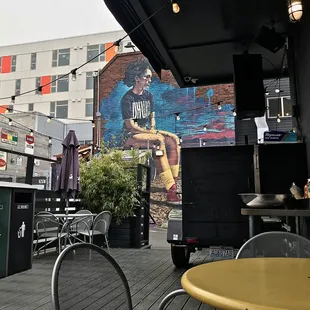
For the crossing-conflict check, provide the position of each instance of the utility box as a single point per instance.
(17, 205)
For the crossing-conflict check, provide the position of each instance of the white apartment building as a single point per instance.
(26, 66)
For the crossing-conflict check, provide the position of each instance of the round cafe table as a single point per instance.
(251, 284)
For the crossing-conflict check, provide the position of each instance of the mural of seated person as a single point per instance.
(137, 107)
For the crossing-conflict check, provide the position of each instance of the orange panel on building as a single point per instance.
(45, 80)
(3, 108)
(6, 64)
(109, 54)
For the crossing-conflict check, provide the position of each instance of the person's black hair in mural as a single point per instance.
(139, 124)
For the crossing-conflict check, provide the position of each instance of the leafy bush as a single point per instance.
(108, 182)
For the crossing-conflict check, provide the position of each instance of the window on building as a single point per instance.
(33, 61)
(13, 64)
(89, 107)
(61, 57)
(38, 84)
(89, 80)
(61, 85)
(281, 106)
(30, 107)
(59, 109)
(17, 87)
(94, 50)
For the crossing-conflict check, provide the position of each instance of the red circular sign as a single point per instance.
(2, 163)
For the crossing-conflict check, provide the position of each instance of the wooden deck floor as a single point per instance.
(150, 273)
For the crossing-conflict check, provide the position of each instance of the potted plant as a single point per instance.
(109, 182)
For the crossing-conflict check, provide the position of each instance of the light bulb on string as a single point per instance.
(234, 112)
(219, 106)
(177, 116)
(204, 143)
(278, 118)
(31, 132)
(175, 7)
(93, 124)
(277, 90)
(181, 140)
(73, 73)
(204, 128)
(12, 99)
(10, 122)
(49, 140)
(116, 46)
(49, 118)
(39, 90)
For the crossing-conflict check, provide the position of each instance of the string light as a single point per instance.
(49, 118)
(278, 118)
(234, 112)
(96, 56)
(177, 116)
(73, 73)
(116, 45)
(10, 122)
(181, 140)
(93, 124)
(13, 99)
(205, 128)
(219, 106)
(31, 132)
(277, 90)
(175, 7)
(49, 140)
(39, 90)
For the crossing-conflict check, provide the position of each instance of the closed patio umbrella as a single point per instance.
(68, 181)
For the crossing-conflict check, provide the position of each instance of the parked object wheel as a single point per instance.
(180, 256)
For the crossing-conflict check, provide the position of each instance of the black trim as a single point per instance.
(64, 253)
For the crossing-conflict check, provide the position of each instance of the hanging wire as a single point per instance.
(116, 43)
(29, 129)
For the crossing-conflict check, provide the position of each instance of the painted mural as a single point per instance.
(141, 111)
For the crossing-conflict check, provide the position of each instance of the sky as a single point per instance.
(23, 21)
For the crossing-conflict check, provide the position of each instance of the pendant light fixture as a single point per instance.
(295, 10)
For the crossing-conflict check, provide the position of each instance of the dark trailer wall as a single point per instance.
(211, 180)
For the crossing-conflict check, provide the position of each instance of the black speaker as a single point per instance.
(249, 86)
(269, 39)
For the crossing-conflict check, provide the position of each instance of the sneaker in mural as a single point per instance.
(172, 196)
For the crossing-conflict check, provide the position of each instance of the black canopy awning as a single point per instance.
(200, 40)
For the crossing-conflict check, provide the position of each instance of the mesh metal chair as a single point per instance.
(101, 226)
(47, 227)
(82, 226)
(86, 277)
(275, 244)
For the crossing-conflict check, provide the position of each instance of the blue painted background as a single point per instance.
(195, 113)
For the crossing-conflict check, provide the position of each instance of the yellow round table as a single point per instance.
(251, 284)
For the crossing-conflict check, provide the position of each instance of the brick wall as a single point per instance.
(113, 72)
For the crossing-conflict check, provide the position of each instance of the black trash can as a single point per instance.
(17, 204)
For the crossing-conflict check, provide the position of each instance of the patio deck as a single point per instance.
(150, 273)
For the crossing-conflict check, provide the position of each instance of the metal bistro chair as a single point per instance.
(101, 226)
(47, 227)
(86, 277)
(79, 226)
(275, 244)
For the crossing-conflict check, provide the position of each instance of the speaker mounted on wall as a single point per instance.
(270, 39)
(249, 89)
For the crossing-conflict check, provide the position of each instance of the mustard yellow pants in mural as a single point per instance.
(167, 165)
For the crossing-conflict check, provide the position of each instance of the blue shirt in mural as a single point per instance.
(138, 107)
